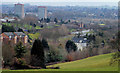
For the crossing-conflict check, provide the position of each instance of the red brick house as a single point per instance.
(14, 37)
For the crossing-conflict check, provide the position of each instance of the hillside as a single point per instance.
(96, 63)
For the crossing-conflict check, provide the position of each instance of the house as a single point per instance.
(6, 19)
(14, 37)
(20, 36)
(81, 42)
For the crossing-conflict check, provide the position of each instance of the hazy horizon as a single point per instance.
(68, 3)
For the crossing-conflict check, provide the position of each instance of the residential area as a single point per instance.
(47, 37)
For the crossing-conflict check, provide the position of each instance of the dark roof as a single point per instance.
(41, 7)
(77, 40)
(19, 4)
(9, 34)
(15, 33)
(20, 34)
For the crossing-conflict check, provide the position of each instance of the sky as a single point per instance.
(64, 2)
(60, 0)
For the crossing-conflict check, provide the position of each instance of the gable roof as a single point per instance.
(9, 34)
(77, 40)
(19, 34)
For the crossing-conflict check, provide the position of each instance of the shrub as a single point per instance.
(70, 46)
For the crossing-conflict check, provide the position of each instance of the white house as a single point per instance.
(80, 42)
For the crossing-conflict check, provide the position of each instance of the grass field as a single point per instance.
(96, 63)
(34, 36)
(102, 24)
(38, 27)
(7, 24)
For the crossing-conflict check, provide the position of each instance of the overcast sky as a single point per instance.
(60, 0)
(64, 2)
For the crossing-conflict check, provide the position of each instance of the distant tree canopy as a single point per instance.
(70, 46)
(47, 20)
(91, 37)
(37, 54)
(115, 44)
(6, 28)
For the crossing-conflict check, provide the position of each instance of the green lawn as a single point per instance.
(28, 26)
(57, 25)
(38, 27)
(34, 36)
(49, 27)
(102, 24)
(96, 63)
(7, 24)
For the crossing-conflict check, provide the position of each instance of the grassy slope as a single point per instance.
(96, 63)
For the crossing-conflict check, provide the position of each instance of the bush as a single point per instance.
(70, 46)
(54, 56)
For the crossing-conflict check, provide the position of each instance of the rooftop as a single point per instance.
(77, 40)
(41, 7)
(19, 4)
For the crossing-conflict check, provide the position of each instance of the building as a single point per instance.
(14, 37)
(6, 19)
(81, 26)
(80, 42)
(19, 10)
(42, 12)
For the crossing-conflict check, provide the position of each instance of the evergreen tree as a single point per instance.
(20, 30)
(20, 50)
(45, 44)
(37, 54)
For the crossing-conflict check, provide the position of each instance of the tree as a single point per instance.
(91, 38)
(56, 20)
(7, 28)
(101, 34)
(54, 56)
(70, 46)
(62, 22)
(69, 21)
(20, 30)
(37, 54)
(45, 44)
(47, 20)
(115, 44)
(19, 50)
(8, 53)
